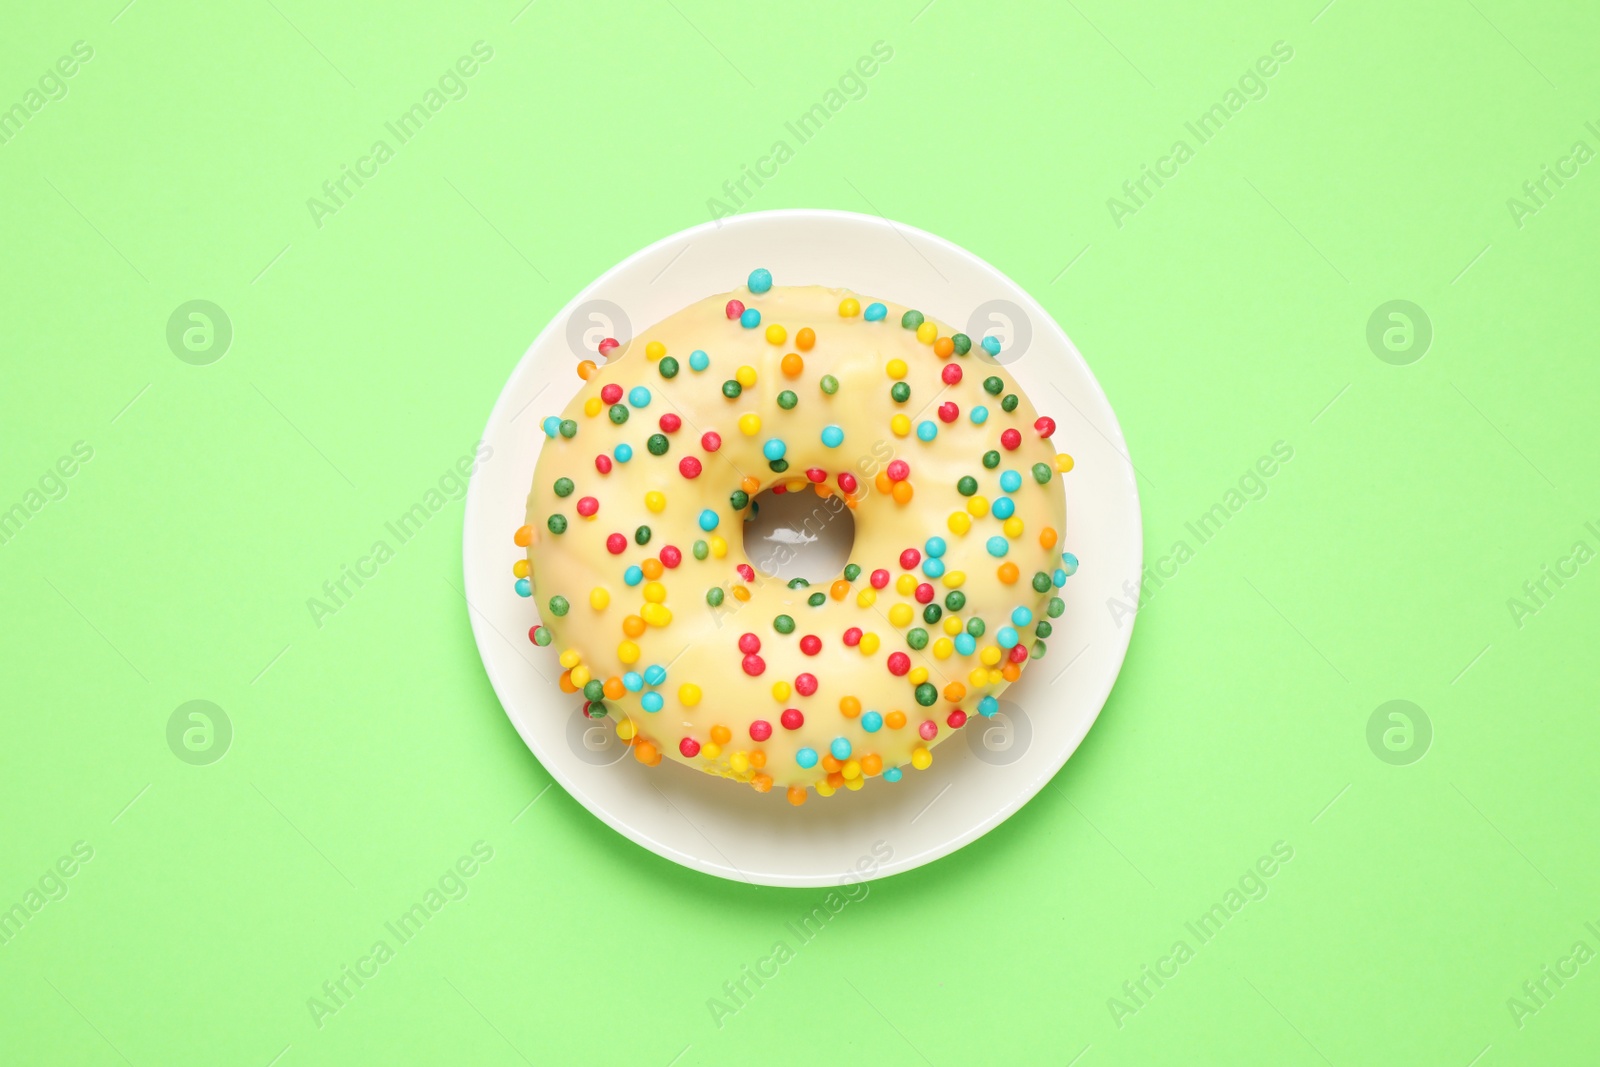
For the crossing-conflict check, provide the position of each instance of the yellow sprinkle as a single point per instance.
(849, 308)
(900, 425)
(749, 424)
(580, 676)
(943, 647)
(628, 652)
(626, 729)
(866, 597)
(978, 506)
(655, 501)
(780, 691)
(854, 784)
(745, 376)
(739, 762)
(794, 485)
(897, 368)
(710, 750)
(719, 547)
(654, 350)
(978, 677)
(776, 334)
(1063, 462)
(952, 625)
(655, 592)
(927, 333)
(1012, 527)
(918, 676)
(869, 644)
(959, 523)
(851, 769)
(901, 615)
(823, 788)
(599, 598)
(592, 406)
(954, 579)
(995, 677)
(906, 584)
(655, 615)
(520, 569)
(688, 694)
(570, 658)
(990, 655)
(921, 758)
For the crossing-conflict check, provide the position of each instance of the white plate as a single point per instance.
(977, 779)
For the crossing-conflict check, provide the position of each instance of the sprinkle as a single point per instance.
(979, 415)
(900, 392)
(1063, 462)
(787, 400)
(688, 746)
(708, 520)
(840, 747)
(760, 280)
(893, 774)
(927, 431)
(654, 350)
(557, 523)
(711, 440)
(633, 575)
(829, 384)
(792, 364)
(750, 318)
(1003, 508)
(760, 730)
(749, 424)
(805, 339)
(657, 444)
(689, 467)
(668, 367)
(805, 684)
(806, 757)
(551, 426)
(524, 587)
(587, 506)
(896, 368)
(698, 361)
(811, 644)
(792, 719)
(875, 312)
(773, 448)
(734, 309)
(1069, 563)
(900, 425)
(911, 320)
(1011, 439)
(927, 332)
(949, 411)
(776, 334)
(849, 308)
(991, 345)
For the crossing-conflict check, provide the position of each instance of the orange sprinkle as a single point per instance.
(850, 706)
(822, 489)
(721, 734)
(524, 536)
(839, 589)
(944, 348)
(614, 689)
(851, 501)
(954, 692)
(805, 338)
(749, 484)
(565, 682)
(652, 568)
(830, 764)
(882, 482)
(835, 779)
(1011, 671)
(633, 626)
(741, 593)
(792, 365)
(586, 369)
(901, 492)
(1007, 572)
(894, 720)
(871, 764)
(1047, 537)
(761, 783)
(796, 795)
(647, 754)
(758, 759)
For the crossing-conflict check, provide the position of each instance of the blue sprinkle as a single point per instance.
(1021, 616)
(1059, 578)
(979, 415)
(1006, 637)
(651, 702)
(708, 519)
(997, 546)
(832, 436)
(750, 319)
(840, 748)
(933, 567)
(551, 425)
(934, 546)
(1069, 563)
(633, 576)
(1010, 481)
(893, 774)
(774, 449)
(927, 430)
(875, 312)
(623, 452)
(966, 644)
(632, 682)
(639, 396)
(524, 587)
(991, 345)
(988, 706)
(871, 722)
(806, 757)
(698, 360)
(655, 674)
(760, 280)
(1003, 508)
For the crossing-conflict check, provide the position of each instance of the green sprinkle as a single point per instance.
(1043, 629)
(618, 413)
(917, 638)
(1038, 650)
(557, 523)
(900, 391)
(595, 709)
(816, 600)
(993, 386)
(731, 389)
(559, 606)
(594, 690)
(926, 695)
(911, 320)
(851, 572)
(541, 636)
(955, 600)
(967, 485)
(932, 613)
(1041, 582)
(830, 384)
(641, 536)
(975, 627)
(778, 466)
(798, 583)
(783, 624)
(991, 459)
(657, 444)
(714, 596)
(1055, 607)
(1009, 402)
(739, 499)
(787, 400)
(1042, 473)
(962, 342)
(668, 367)
(563, 487)
(569, 429)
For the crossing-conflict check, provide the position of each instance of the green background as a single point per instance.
(1229, 312)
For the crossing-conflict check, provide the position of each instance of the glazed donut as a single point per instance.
(637, 563)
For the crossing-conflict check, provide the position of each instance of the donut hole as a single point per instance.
(799, 535)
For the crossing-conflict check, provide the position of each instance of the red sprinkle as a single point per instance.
(749, 643)
(879, 578)
(533, 632)
(689, 747)
(778, 490)
(811, 644)
(956, 719)
(735, 308)
(909, 559)
(689, 467)
(587, 506)
(949, 412)
(611, 393)
(669, 423)
(1045, 425)
(607, 345)
(711, 440)
(748, 573)
(671, 556)
(847, 482)
(951, 373)
(791, 719)
(1018, 653)
(805, 684)
(761, 729)
(817, 474)
(602, 463)
(928, 730)
(616, 544)
(898, 470)
(1010, 440)
(924, 593)
(899, 663)
(852, 637)
(753, 665)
